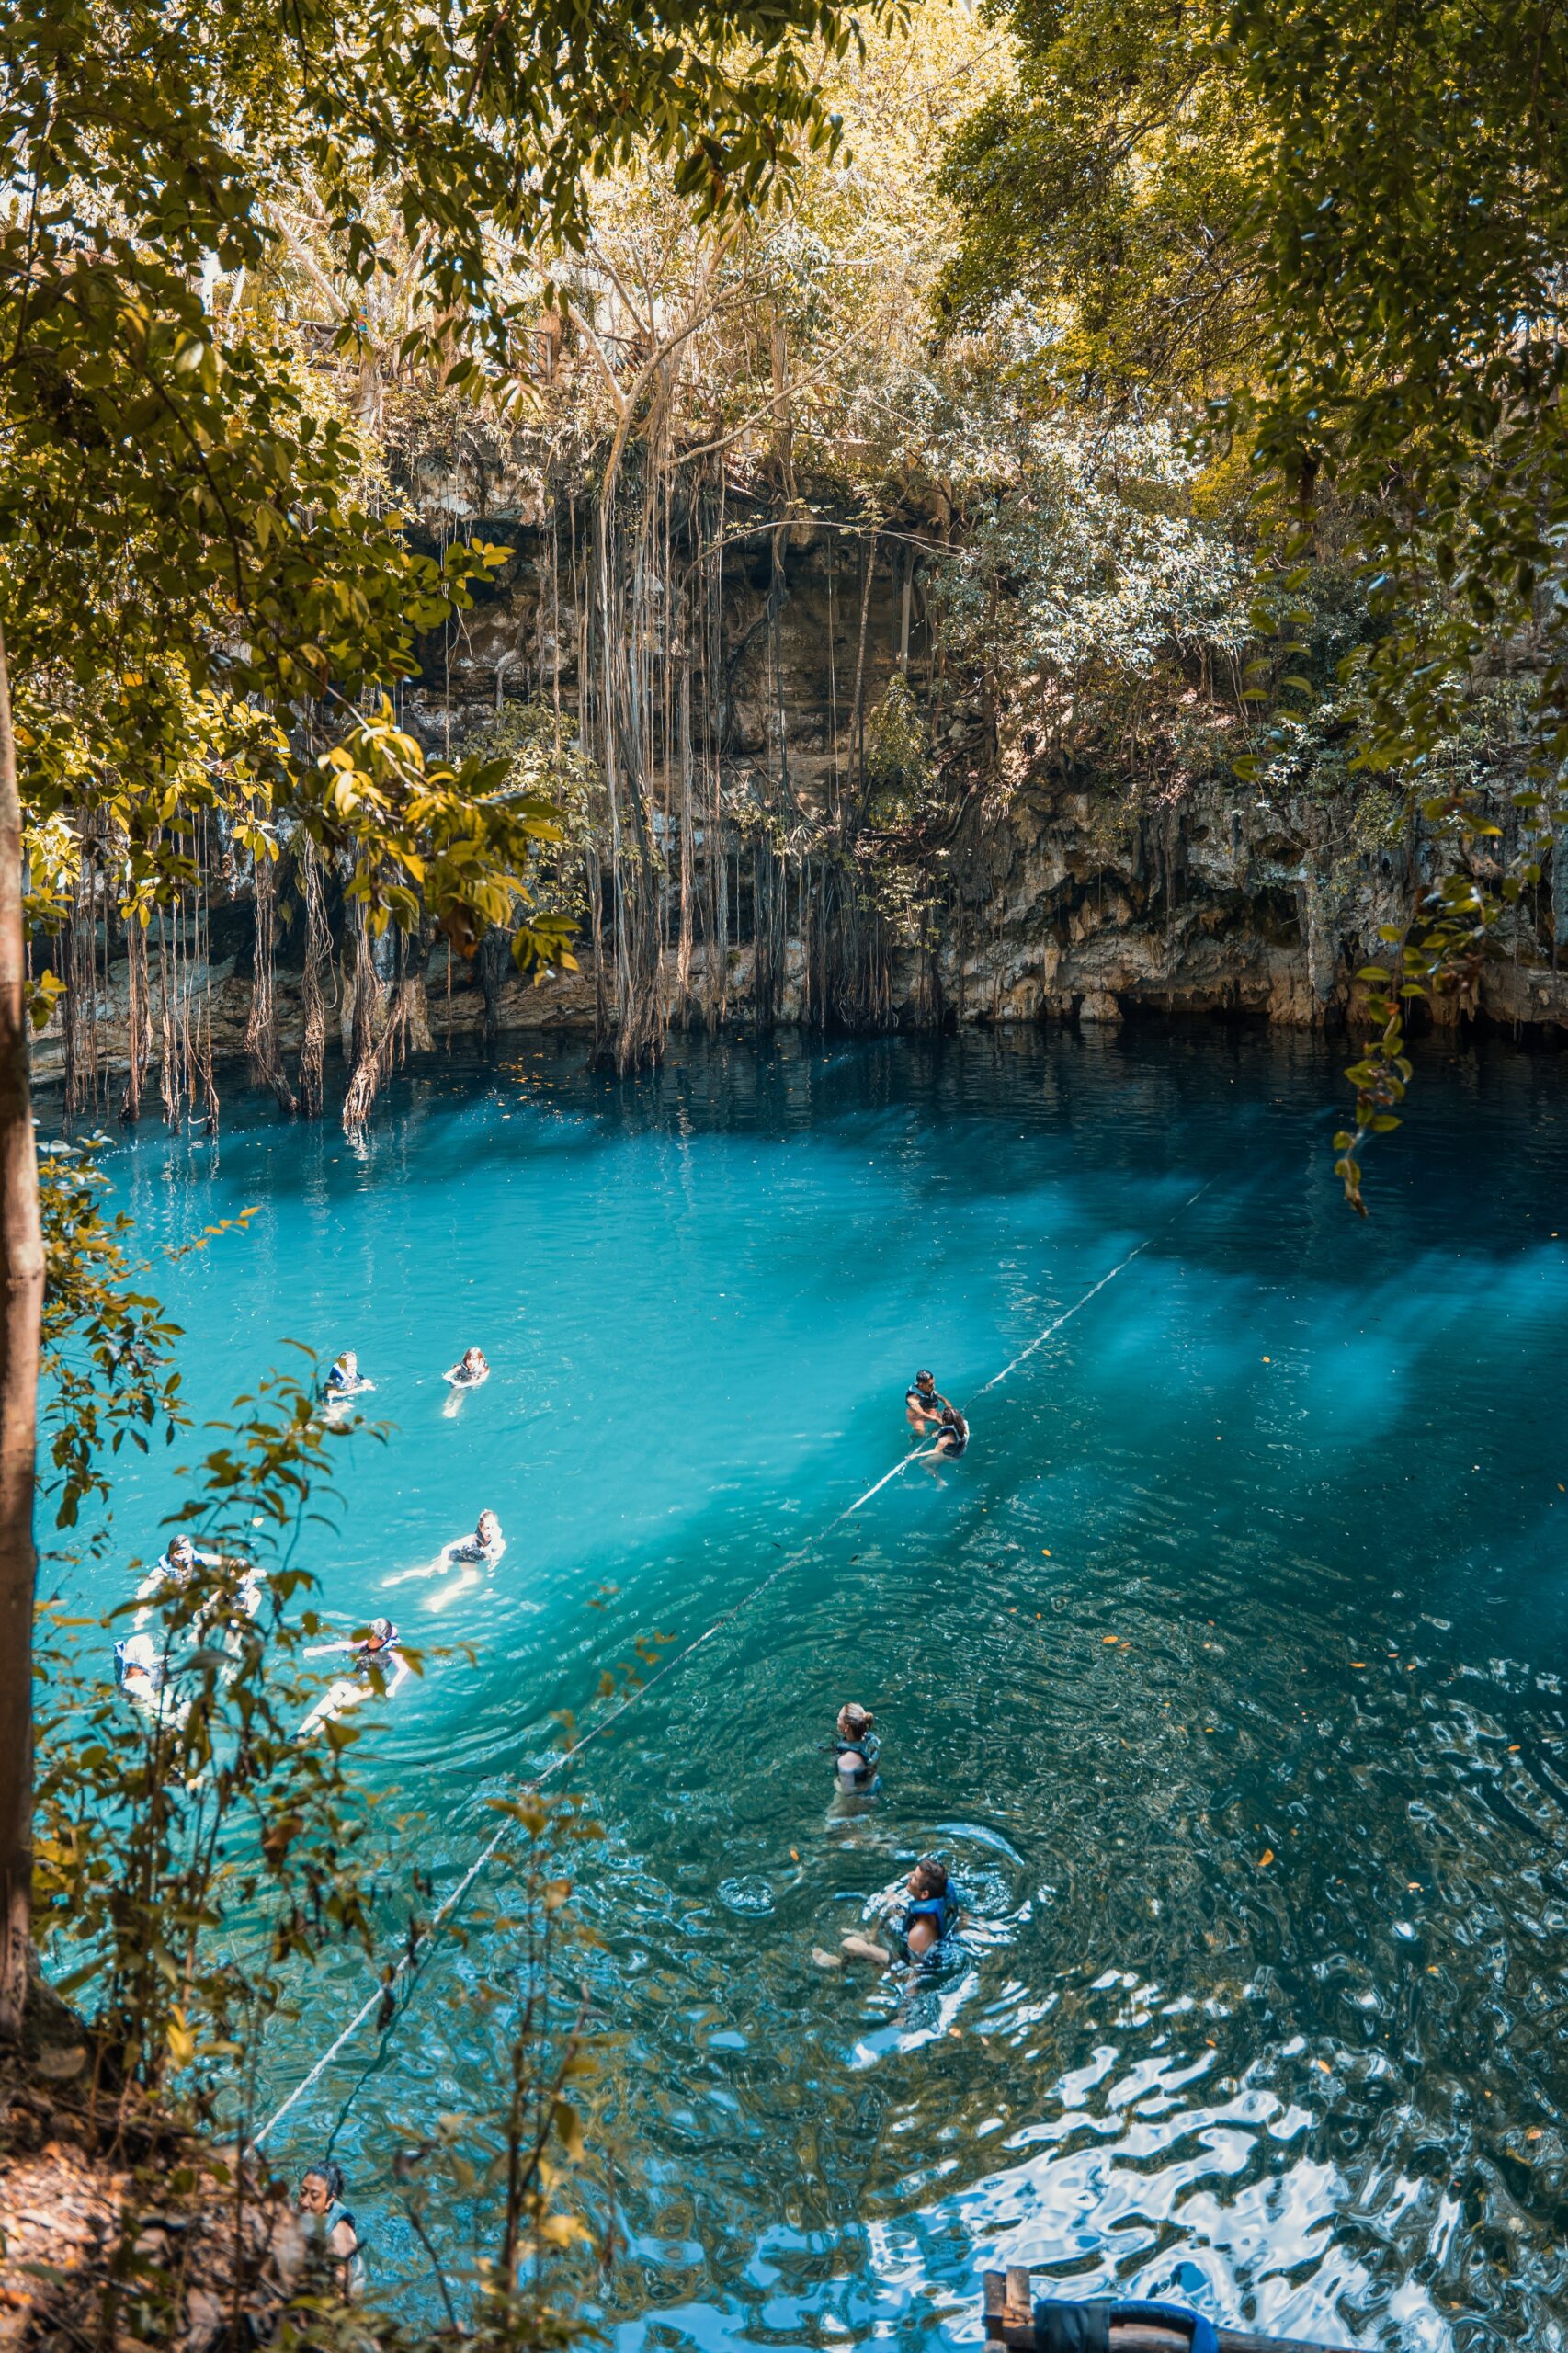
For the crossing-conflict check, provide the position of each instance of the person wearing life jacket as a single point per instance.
(487, 1543)
(170, 1573)
(470, 1372)
(855, 1746)
(332, 2227)
(932, 1910)
(345, 1380)
(141, 1671)
(931, 1914)
(953, 1434)
(229, 1613)
(467, 1554)
(377, 1654)
(923, 1403)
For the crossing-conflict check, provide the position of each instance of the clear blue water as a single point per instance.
(1308, 1473)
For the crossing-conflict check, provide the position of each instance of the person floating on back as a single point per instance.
(470, 1555)
(856, 1748)
(470, 1372)
(923, 1403)
(377, 1658)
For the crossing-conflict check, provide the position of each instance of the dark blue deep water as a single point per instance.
(1225, 1670)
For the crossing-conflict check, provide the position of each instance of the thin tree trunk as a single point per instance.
(21, 1269)
(318, 961)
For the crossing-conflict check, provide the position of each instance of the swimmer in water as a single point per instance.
(470, 1372)
(171, 1573)
(332, 2229)
(953, 1434)
(931, 1914)
(142, 1674)
(923, 1403)
(469, 1554)
(377, 1655)
(856, 1748)
(344, 1381)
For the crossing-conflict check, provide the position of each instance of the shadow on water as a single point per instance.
(1224, 1670)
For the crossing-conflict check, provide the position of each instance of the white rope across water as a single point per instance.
(414, 1956)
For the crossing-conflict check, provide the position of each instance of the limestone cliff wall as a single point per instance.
(1048, 896)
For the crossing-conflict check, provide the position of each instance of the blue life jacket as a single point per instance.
(942, 1910)
(1065, 2327)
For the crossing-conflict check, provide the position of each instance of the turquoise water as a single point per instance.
(1306, 1471)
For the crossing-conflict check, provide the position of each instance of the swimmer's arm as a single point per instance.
(320, 1650)
(398, 1675)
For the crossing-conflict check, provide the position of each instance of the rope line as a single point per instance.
(413, 1960)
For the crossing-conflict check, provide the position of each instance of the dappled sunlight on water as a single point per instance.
(1222, 1670)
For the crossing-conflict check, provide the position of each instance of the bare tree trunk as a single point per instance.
(21, 1267)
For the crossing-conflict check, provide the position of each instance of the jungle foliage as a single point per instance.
(1337, 234)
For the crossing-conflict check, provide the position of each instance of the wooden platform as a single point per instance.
(1009, 2302)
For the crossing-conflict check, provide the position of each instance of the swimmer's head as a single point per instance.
(381, 1632)
(489, 1525)
(949, 1418)
(928, 1880)
(855, 1722)
(322, 2184)
(183, 1550)
(348, 1363)
(473, 1359)
(924, 1381)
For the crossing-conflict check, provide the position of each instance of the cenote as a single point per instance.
(1224, 1670)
